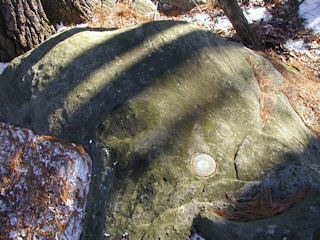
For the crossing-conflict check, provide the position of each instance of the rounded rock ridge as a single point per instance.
(203, 164)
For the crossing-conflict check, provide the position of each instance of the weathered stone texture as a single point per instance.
(144, 101)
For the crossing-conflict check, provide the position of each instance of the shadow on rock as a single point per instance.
(284, 205)
(144, 101)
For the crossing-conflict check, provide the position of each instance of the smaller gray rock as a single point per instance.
(44, 183)
(145, 7)
(108, 3)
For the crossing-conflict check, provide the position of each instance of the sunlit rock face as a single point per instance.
(44, 183)
(145, 102)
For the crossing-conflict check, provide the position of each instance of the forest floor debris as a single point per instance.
(260, 207)
(288, 30)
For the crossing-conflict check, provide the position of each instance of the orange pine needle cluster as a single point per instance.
(260, 207)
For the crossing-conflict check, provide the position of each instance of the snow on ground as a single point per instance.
(256, 11)
(60, 27)
(221, 23)
(310, 10)
(3, 65)
(256, 2)
(296, 45)
(82, 25)
(299, 47)
(203, 19)
(253, 13)
(196, 236)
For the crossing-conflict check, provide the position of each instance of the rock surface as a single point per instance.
(108, 3)
(145, 102)
(146, 7)
(44, 183)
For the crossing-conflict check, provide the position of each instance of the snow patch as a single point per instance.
(60, 27)
(223, 23)
(310, 10)
(257, 14)
(296, 45)
(300, 47)
(3, 65)
(82, 25)
(256, 1)
(202, 17)
(196, 236)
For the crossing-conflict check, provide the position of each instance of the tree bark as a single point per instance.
(234, 13)
(23, 25)
(68, 11)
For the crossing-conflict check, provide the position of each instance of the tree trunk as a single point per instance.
(68, 11)
(23, 25)
(234, 13)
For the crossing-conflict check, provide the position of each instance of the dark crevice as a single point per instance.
(144, 234)
(235, 157)
(135, 202)
(173, 191)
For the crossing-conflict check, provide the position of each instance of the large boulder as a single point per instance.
(172, 118)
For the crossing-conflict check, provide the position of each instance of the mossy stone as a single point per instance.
(143, 101)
